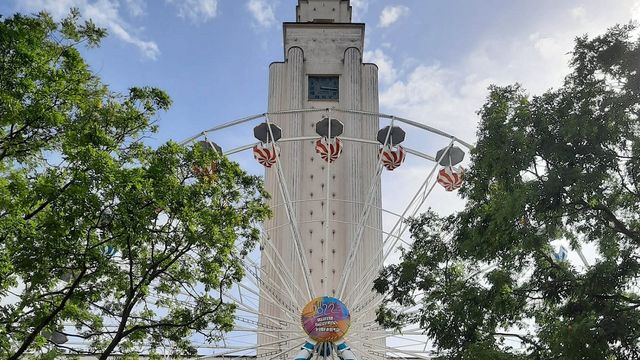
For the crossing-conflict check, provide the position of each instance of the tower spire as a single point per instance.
(323, 11)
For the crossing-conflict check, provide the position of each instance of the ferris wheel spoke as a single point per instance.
(412, 347)
(316, 353)
(236, 339)
(415, 354)
(391, 236)
(364, 216)
(357, 349)
(333, 351)
(412, 208)
(244, 307)
(403, 338)
(335, 200)
(278, 322)
(327, 218)
(269, 294)
(270, 286)
(414, 332)
(274, 323)
(362, 312)
(274, 319)
(254, 347)
(295, 231)
(272, 332)
(360, 227)
(278, 303)
(368, 330)
(261, 326)
(368, 326)
(281, 265)
(276, 227)
(289, 349)
(365, 347)
(375, 301)
(370, 227)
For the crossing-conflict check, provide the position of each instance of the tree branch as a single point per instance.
(38, 328)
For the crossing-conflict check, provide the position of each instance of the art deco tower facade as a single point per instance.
(322, 69)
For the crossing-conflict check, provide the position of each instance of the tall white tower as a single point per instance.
(322, 69)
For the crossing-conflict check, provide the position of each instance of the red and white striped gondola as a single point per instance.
(450, 177)
(329, 150)
(266, 154)
(392, 157)
(207, 172)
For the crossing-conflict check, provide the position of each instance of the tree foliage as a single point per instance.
(564, 165)
(102, 238)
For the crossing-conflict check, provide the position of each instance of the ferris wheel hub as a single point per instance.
(326, 319)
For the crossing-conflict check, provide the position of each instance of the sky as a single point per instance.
(435, 58)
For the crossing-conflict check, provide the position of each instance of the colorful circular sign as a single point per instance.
(326, 319)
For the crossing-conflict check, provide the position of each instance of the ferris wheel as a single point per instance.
(282, 312)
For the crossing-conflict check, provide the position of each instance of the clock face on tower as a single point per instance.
(323, 87)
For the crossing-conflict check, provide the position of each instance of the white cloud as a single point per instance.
(635, 11)
(359, 9)
(439, 96)
(448, 96)
(386, 72)
(390, 14)
(262, 12)
(547, 46)
(196, 11)
(136, 7)
(104, 13)
(579, 13)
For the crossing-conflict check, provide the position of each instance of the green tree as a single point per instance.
(102, 238)
(562, 165)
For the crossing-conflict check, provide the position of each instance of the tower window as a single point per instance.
(323, 87)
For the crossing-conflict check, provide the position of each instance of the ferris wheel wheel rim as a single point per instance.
(394, 118)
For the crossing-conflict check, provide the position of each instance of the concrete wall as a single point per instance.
(323, 10)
